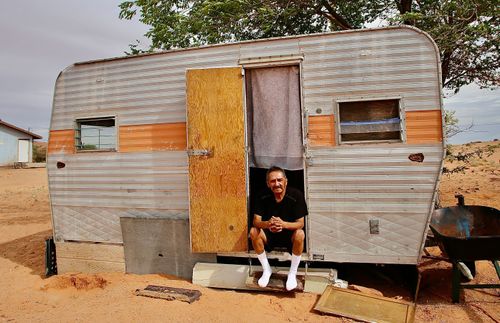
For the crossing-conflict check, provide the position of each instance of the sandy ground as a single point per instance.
(26, 295)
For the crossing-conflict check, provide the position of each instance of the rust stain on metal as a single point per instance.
(419, 157)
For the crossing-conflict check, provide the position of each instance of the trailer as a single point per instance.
(154, 159)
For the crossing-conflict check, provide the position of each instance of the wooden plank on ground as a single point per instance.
(169, 293)
(364, 307)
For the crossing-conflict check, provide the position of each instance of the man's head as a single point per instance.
(276, 180)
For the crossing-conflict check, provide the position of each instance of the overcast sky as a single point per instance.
(41, 38)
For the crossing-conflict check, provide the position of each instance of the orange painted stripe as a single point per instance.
(321, 130)
(61, 141)
(424, 127)
(153, 137)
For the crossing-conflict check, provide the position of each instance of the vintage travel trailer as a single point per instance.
(155, 159)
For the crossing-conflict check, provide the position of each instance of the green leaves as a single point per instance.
(466, 31)
(467, 34)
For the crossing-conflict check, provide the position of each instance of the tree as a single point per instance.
(466, 31)
(467, 34)
(451, 127)
(39, 152)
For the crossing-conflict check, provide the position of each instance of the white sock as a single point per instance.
(266, 270)
(291, 281)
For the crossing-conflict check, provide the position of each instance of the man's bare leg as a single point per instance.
(298, 246)
(258, 241)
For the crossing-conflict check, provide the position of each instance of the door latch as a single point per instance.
(199, 152)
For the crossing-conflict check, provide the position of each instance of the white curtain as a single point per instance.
(274, 117)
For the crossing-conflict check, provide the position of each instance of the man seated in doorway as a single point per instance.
(278, 222)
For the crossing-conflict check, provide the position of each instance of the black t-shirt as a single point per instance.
(291, 208)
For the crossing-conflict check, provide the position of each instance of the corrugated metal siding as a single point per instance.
(349, 185)
(146, 180)
(151, 89)
(140, 90)
(283, 47)
(94, 190)
(153, 137)
(386, 63)
(78, 223)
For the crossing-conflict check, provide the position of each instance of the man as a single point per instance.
(278, 222)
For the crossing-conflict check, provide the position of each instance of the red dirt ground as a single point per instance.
(26, 295)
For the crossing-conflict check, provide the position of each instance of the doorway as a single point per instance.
(274, 127)
(23, 152)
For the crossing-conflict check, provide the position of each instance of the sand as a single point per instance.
(27, 295)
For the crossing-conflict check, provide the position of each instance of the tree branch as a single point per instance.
(333, 16)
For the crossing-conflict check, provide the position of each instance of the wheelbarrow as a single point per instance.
(467, 233)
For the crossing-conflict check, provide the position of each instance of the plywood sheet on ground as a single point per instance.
(364, 307)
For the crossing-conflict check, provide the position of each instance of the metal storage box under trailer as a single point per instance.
(183, 136)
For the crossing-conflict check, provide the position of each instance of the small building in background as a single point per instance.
(16, 144)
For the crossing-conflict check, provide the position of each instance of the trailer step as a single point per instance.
(277, 282)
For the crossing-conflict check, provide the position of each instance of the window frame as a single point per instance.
(402, 120)
(77, 129)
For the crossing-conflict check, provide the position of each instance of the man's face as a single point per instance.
(276, 181)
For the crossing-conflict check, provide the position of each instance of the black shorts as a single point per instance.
(281, 239)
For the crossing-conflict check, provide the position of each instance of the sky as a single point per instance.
(41, 38)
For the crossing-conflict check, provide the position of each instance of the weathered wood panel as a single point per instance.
(89, 257)
(153, 137)
(321, 130)
(424, 127)
(71, 265)
(374, 308)
(217, 189)
(94, 251)
(61, 141)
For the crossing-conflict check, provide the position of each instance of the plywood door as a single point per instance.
(217, 164)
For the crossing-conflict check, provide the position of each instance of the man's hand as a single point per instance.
(277, 224)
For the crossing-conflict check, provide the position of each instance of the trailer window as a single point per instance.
(369, 121)
(96, 134)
